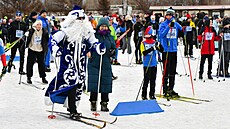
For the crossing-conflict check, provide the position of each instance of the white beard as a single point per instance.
(76, 29)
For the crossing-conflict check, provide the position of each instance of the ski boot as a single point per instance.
(75, 116)
(93, 105)
(210, 76)
(44, 80)
(22, 72)
(173, 94)
(29, 80)
(200, 76)
(152, 97)
(4, 70)
(104, 107)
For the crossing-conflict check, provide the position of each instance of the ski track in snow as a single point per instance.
(22, 106)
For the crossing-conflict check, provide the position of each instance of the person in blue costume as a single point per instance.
(71, 44)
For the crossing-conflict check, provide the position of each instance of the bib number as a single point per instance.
(19, 33)
(226, 36)
(208, 36)
(188, 28)
(37, 40)
(171, 34)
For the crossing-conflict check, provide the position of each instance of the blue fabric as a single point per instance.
(136, 107)
(45, 23)
(147, 58)
(59, 96)
(122, 29)
(47, 58)
(169, 43)
(17, 58)
(1, 50)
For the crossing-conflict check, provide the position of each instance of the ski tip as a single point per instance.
(114, 121)
(103, 125)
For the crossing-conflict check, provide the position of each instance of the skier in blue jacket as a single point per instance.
(168, 32)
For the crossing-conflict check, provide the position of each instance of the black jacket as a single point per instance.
(137, 28)
(14, 26)
(45, 39)
(129, 25)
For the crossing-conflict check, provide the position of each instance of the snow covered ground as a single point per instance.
(22, 106)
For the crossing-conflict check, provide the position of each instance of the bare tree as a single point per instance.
(144, 4)
(62, 6)
(103, 6)
(9, 7)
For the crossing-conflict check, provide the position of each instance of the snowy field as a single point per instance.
(22, 106)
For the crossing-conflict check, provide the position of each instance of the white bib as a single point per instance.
(19, 33)
(140, 34)
(226, 36)
(147, 46)
(171, 34)
(37, 40)
(208, 36)
(154, 32)
(188, 28)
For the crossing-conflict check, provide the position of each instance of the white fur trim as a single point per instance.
(48, 101)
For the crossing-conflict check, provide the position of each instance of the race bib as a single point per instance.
(171, 34)
(37, 40)
(208, 36)
(226, 36)
(154, 32)
(147, 46)
(140, 34)
(19, 33)
(188, 28)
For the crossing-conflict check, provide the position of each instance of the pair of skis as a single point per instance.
(186, 99)
(84, 119)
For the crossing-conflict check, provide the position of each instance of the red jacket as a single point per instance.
(208, 46)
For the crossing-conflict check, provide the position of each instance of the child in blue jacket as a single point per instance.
(149, 50)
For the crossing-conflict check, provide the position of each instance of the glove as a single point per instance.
(26, 33)
(159, 47)
(100, 48)
(172, 23)
(153, 48)
(112, 52)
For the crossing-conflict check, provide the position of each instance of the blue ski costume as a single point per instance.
(72, 48)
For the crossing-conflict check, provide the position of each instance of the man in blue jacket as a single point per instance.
(168, 32)
(46, 27)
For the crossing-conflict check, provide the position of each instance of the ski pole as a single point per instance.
(221, 60)
(52, 116)
(186, 44)
(98, 85)
(199, 58)
(183, 62)
(144, 78)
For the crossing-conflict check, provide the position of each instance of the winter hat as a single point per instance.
(128, 17)
(77, 11)
(188, 16)
(37, 22)
(33, 14)
(18, 13)
(206, 21)
(170, 11)
(153, 16)
(149, 32)
(103, 21)
(43, 11)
